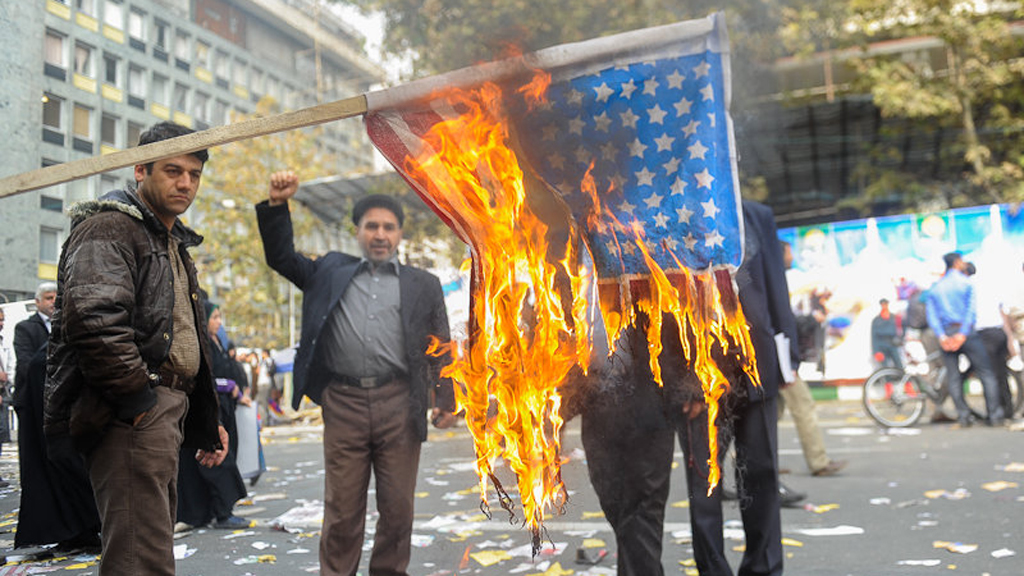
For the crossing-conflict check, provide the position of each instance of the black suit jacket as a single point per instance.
(324, 280)
(29, 335)
(764, 294)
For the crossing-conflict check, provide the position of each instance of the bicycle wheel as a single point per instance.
(894, 398)
(1014, 380)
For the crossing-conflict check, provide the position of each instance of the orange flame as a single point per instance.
(529, 325)
(522, 345)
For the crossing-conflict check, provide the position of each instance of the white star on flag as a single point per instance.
(683, 106)
(661, 220)
(657, 115)
(664, 142)
(714, 239)
(645, 177)
(690, 242)
(702, 69)
(672, 165)
(626, 207)
(708, 92)
(627, 89)
(679, 186)
(602, 122)
(576, 126)
(697, 150)
(603, 92)
(675, 80)
(710, 210)
(691, 128)
(636, 148)
(653, 201)
(628, 119)
(704, 179)
(651, 86)
(684, 214)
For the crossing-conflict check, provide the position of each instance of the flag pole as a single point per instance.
(59, 173)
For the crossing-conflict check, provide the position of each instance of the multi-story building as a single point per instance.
(85, 77)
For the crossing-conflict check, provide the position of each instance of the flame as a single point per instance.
(522, 344)
(529, 325)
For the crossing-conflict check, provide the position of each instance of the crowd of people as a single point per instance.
(962, 318)
(130, 398)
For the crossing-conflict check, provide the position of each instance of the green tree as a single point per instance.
(254, 298)
(974, 90)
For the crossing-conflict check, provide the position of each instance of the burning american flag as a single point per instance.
(592, 176)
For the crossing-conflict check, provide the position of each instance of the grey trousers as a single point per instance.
(134, 474)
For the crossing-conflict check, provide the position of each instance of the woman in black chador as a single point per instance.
(209, 494)
(57, 503)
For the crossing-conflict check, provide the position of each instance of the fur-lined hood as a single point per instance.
(128, 202)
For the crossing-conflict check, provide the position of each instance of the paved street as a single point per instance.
(927, 499)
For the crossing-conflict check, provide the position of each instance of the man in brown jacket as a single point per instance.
(129, 366)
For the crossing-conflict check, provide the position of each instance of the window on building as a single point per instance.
(161, 89)
(220, 113)
(180, 99)
(108, 182)
(53, 49)
(86, 6)
(201, 106)
(53, 107)
(113, 14)
(110, 69)
(238, 73)
(81, 122)
(202, 54)
(81, 189)
(181, 48)
(221, 64)
(132, 133)
(108, 130)
(274, 88)
(160, 34)
(83, 60)
(137, 24)
(50, 201)
(49, 244)
(136, 81)
(258, 81)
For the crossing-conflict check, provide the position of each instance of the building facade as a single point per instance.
(86, 77)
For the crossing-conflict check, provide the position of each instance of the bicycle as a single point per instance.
(897, 398)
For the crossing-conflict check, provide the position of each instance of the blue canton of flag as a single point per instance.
(657, 137)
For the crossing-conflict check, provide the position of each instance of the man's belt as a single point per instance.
(369, 381)
(174, 381)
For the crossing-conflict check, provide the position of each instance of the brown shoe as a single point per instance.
(831, 469)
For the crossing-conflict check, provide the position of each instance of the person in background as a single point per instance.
(886, 337)
(57, 503)
(208, 494)
(128, 377)
(630, 423)
(29, 335)
(993, 328)
(6, 380)
(367, 324)
(952, 317)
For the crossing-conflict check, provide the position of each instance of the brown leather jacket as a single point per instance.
(111, 329)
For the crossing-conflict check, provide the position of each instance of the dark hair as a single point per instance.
(166, 131)
(377, 201)
(970, 269)
(951, 259)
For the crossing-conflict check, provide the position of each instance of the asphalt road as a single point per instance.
(931, 499)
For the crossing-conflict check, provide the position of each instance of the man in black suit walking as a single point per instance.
(367, 323)
(629, 426)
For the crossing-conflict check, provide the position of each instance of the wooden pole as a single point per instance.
(76, 169)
